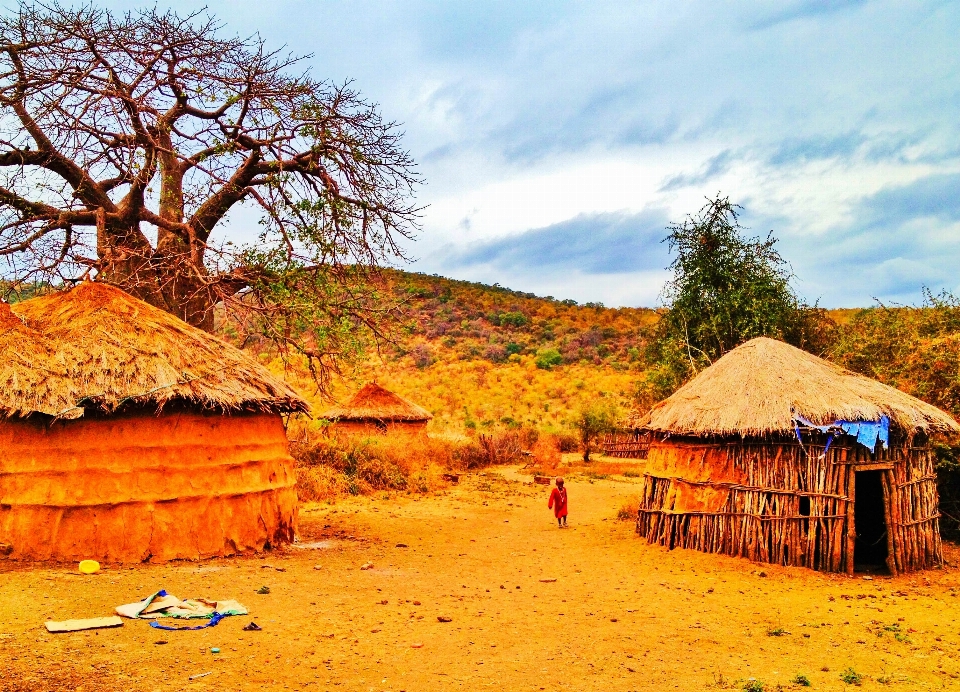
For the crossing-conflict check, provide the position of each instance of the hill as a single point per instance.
(479, 356)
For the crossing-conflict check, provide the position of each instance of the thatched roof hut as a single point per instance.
(374, 409)
(129, 435)
(777, 455)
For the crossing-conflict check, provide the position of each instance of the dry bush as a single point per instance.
(330, 465)
(491, 450)
(546, 453)
(318, 483)
(567, 442)
(629, 510)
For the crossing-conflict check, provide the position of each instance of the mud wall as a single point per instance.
(145, 487)
(370, 428)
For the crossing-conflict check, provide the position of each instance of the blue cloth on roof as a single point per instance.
(866, 432)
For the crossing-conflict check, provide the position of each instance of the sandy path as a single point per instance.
(621, 615)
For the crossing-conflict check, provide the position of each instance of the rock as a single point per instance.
(263, 590)
(366, 565)
(444, 618)
(402, 545)
(318, 566)
(763, 574)
(416, 603)
(548, 581)
(417, 645)
(613, 619)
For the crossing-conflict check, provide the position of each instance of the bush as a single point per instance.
(422, 355)
(548, 358)
(329, 465)
(628, 511)
(546, 453)
(495, 353)
(851, 677)
(512, 319)
(567, 443)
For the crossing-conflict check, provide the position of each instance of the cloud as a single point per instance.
(606, 243)
(717, 165)
(804, 10)
(934, 196)
(797, 150)
(558, 117)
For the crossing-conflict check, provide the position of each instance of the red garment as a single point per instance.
(558, 502)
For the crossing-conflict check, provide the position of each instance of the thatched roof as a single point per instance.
(96, 348)
(374, 403)
(753, 389)
(31, 370)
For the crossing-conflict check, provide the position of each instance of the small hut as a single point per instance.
(376, 410)
(779, 456)
(128, 435)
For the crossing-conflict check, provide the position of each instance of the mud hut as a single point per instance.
(128, 435)
(377, 410)
(779, 456)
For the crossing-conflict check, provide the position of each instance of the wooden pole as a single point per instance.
(888, 493)
(851, 523)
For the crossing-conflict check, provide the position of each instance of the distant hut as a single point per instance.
(128, 435)
(376, 410)
(779, 456)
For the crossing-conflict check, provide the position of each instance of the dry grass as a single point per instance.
(628, 510)
(754, 389)
(331, 465)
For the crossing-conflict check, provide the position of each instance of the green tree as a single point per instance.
(727, 288)
(591, 422)
(548, 358)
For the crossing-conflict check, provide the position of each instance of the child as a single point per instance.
(558, 502)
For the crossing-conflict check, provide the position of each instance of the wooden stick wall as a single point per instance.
(795, 506)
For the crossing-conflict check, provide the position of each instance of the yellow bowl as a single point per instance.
(89, 566)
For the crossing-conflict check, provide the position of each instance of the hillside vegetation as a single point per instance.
(484, 357)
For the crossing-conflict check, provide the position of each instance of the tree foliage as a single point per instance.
(591, 422)
(917, 350)
(726, 288)
(125, 141)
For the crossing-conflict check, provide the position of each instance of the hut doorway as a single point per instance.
(870, 549)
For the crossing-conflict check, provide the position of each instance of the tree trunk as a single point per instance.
(171, 277)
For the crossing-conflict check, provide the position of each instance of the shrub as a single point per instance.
(567, 442)
(495, 353)
(548, 358)
(851, 677)
(512, 319)
(628, 511)
(801, 680)
(546, 452)
(422, 355)
(330, 465)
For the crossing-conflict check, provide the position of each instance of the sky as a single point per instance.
(557, 140)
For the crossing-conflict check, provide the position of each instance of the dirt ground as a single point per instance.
(531, 607)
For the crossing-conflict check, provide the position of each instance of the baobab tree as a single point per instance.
(125, 140)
